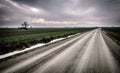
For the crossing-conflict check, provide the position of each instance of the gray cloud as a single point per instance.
(60, 12)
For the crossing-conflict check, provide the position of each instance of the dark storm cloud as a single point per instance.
(107, 10)
(96, 12)
(49, 5)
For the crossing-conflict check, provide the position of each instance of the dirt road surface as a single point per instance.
(89, 52)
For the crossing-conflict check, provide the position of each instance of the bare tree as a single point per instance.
(25, 25)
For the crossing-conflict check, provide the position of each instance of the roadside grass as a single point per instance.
(114, 33)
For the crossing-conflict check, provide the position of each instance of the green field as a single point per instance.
(112, 29)
(16, 35)
(16, 39)
(114, 33)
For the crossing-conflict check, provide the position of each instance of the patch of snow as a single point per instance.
(20, 51)
(55, 40)
(73, 35)
(27, 49)
(70, 36)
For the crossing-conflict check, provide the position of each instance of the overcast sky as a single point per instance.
(60, 13)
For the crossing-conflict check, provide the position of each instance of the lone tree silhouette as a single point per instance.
(25, 25)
